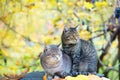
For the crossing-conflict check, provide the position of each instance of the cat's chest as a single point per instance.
(71, 50)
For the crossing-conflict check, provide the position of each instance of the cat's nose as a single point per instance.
(75, 39)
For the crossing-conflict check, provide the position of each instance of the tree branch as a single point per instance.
(24, 37)
(97, 36)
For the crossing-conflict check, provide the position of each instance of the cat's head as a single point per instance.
(70, 35)
(52, 54)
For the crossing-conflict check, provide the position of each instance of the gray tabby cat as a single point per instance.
(82, 53)
(54, 62)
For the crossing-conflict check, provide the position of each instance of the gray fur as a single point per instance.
(62, 65)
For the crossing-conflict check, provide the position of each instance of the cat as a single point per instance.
(82, 53)
(54, 62)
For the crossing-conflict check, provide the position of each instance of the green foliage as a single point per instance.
(26, 25)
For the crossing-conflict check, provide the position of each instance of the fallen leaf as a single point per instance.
(45, 77)
(94, 77)
(58, 79)
(103, 78)
(15, 76)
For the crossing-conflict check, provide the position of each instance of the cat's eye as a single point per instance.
(65, 31)
(74, 30)
(45, 50)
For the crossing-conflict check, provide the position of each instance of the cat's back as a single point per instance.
(88, 48)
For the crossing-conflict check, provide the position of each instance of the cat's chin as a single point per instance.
(73, 42)
(52, 61)
(70, 43)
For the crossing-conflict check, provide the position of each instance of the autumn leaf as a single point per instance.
(88, 5)
(45, 77)
(94, 77)
(101, 4)
(30, 6)
(15, 76)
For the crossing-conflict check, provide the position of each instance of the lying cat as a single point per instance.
(54, 62)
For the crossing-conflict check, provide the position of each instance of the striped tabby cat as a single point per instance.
(82, 53)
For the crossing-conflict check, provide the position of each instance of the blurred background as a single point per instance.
(26, 25)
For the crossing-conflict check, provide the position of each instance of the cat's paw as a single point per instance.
(75, 73)
(83, 73)
(62, 74)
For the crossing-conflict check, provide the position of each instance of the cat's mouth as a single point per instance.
(71, 42)
(52, 60)
(71, 45)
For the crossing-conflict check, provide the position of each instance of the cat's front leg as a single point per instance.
(62, 74)
(75, 73)
(49, 77)
(75, 65)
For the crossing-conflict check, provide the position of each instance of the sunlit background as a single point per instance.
(26, 25)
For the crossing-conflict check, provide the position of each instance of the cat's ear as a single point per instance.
(66, 28)
(77, 27)
(59, 45)
(40, 54)
(46, 47)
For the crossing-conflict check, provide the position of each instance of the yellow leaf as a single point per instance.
(70, 12)
(46, 39)
(83, 14)
(1, 67)
(94, 77)
(88, 5)
(79, 77)
(5, 52)
(30, 1)
(82, 77)
(27, 65)
(70, 3)
(13, 69)
(104, 3)
(45, 77)
(110, 64)
(18, 62)
(69, 78)
(65, 1)
(30, 6)
(100, 4)
(80, 3)
(85, 35)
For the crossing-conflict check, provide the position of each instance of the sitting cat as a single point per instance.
(82, 53)
(54, 62)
